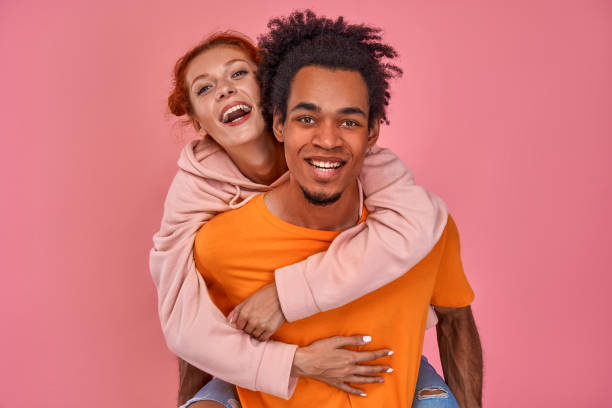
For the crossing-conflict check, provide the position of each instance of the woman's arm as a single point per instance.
(404, 224)
(196, 330)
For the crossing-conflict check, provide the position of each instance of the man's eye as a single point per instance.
(240, 73)
(203, 89)
(349, 123)
(306, 119)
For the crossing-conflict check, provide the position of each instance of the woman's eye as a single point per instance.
(306, 119)
(240, 73)
(203, 89)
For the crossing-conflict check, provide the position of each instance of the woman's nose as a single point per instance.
(225, 89)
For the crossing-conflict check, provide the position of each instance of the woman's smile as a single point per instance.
(235, 113)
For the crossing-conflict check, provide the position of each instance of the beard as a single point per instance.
(320, 199)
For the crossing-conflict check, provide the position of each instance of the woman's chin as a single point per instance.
(242, 136)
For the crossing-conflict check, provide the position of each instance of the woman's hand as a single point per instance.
(328, 361)
(260, 315)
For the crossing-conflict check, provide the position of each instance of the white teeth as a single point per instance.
(325, 165)
(234, 109)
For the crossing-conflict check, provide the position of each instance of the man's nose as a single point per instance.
(327, 135)
(225, 89)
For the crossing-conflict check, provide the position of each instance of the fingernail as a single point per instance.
(362, 394)
(390, 353)
(389, 370)
(367, 339)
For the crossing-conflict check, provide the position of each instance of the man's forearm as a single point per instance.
(191, 379)
(460, 354)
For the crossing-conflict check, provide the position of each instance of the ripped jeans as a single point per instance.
(431, 391)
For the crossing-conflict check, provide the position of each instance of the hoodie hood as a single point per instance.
(206, 159)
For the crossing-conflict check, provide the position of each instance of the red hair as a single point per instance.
(178, 101)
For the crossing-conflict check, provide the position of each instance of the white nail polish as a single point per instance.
(389, 370)
(363, 394)
(367, 339)
(390, 353)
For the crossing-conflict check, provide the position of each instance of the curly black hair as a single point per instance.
(303, 39)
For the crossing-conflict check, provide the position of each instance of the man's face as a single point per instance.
(326, 131)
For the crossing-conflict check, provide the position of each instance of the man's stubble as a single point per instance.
(320, 199)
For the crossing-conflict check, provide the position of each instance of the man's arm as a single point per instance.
(460, 354)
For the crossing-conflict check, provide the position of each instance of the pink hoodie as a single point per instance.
(404, 223)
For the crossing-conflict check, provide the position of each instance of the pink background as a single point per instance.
(504, 110)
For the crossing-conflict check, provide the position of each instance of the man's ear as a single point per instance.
(373, 134)
(277, 126)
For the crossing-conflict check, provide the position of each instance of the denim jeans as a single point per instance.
(216, 390)
(428, 380)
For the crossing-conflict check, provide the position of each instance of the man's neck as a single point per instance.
(261, 161)
(288, 203)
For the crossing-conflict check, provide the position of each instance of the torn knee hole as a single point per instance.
(431, 392)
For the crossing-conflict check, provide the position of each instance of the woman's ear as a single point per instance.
(277, 126)
(199, 128)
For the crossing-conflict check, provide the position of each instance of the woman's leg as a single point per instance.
(431, 390)
(216, 394)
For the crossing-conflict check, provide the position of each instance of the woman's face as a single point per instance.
(225, 96)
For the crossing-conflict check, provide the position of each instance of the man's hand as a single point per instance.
(328, 361)
(260, 315)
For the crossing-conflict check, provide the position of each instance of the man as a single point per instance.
(325, 92)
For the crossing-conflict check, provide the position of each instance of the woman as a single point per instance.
(216, 88)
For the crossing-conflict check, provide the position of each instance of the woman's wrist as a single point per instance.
(297, 369)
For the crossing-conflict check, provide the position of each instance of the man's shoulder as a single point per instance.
(244, 215)
(448, 239)
(230, 233)
(451, 231)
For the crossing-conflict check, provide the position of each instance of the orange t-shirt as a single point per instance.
(237, 253)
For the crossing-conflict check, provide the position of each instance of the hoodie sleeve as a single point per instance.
(404, 224)
(194, 328)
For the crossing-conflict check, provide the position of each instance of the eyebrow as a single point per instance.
(350, 110)
(306, 106)
(230, 62)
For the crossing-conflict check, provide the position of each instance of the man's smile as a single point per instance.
(325, 168)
